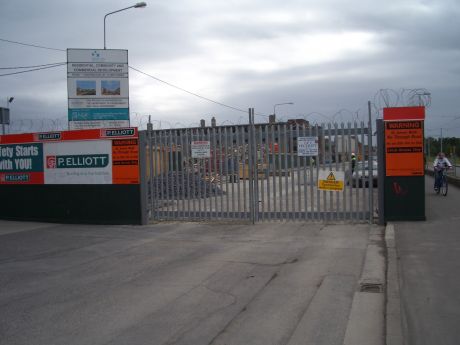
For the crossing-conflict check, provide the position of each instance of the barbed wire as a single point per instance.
(385, 98)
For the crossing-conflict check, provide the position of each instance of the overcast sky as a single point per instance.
(328, 57)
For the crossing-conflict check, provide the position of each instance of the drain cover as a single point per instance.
(369, 286)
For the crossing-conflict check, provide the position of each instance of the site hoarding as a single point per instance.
(96, 156)
(98, 88)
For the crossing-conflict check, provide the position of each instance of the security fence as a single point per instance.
(261, 172)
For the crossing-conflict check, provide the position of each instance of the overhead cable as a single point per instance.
(189, 92)
(35, 66)
(135, 69)
(32, 70)
(31, 45)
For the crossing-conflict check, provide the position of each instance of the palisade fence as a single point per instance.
(253, 173)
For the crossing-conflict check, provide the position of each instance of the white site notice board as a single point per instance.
(307, 146)
(201, 149)
(98, 88)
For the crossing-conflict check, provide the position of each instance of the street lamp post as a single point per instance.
(274, 108)
(138, 5)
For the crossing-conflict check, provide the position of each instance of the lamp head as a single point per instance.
(10, 99)
(140, 5)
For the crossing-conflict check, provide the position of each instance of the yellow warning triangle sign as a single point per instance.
(331, 177)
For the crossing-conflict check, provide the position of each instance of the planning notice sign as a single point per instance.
(404, 148)
(98, 88)
(201, 149)
(307, 146)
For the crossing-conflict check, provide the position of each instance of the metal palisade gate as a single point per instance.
(261, 172)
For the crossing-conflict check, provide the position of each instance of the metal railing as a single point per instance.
(254, 173)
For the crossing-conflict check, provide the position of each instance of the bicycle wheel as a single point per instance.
(444, 186)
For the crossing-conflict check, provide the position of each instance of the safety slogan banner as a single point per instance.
(96, 156)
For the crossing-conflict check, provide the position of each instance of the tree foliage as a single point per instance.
(450, 146)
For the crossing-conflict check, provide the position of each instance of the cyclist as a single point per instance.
(440, 164)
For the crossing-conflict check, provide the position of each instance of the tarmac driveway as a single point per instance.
(171, 283)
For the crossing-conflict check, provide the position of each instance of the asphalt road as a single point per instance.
(278, 283)
(429, 266)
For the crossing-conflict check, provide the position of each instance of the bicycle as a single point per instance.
(442, 186)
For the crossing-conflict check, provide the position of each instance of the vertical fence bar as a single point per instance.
(310, 161)
(250, 169)
(245, 177)
(216, 175)
(152, 161)
(156, 168)
(161, 173)
(343, 155)
(323, 165)
(239, 148)
(170, 176)
(187, 170)
(274, 160)
(228, 157)
(352, 177)
(183, 170)
(261, 205)
(280, 180)
(209, 175)
(233, 161)
(305, 178)
(255, 170)
(330, 194)
(201, 185)
(298, 163)
(267, 177)
(176, 188)
(337, 194)
(286, 171)
(371, 166)
(194, 175)
(292, 171)
(355, 129)
(363, 155)
(221, 171)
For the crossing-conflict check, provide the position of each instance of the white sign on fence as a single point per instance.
(201, 149)
(307, 146)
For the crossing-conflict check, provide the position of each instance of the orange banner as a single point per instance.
(404, 148)
(125, 160)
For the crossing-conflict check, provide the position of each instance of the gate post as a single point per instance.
(381, 169)
(143, 177)
(152, 156)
